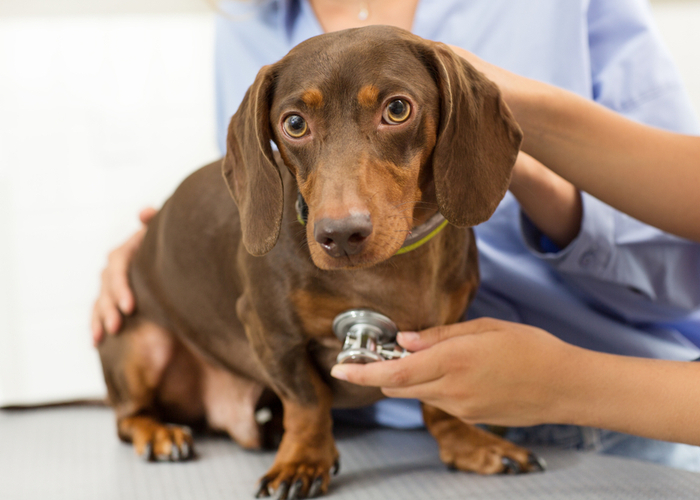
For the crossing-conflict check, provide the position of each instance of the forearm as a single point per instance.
(650, 398)
(645, 172)
(648, 173)
(552, 204)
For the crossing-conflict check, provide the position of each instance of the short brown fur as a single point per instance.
(240, 294)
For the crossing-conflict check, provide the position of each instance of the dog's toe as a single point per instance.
(315, 489)
(164, 443)
(146, 452)
(295, 491)
(532, 464)
(281, 492)
(535, 463)
(293, 481)
(510, 466)
(263, 490)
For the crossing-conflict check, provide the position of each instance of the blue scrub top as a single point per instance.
(621, 286)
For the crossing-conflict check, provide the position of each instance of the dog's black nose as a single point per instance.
(341, 237)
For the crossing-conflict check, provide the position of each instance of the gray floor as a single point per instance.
(72, 453)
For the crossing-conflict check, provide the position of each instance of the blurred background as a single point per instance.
(105, 106)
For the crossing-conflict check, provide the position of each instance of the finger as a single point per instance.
(414, 369)
(112, 321)
(434, 393)
(418, 341)
(96, 327)
(105, 311)
(118, 289)
(426, 392)
(106, 316)
(147, 214)
(116, 278)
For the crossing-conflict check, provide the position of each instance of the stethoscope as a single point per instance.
(367, 337)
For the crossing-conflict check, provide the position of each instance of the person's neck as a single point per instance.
(336, 15)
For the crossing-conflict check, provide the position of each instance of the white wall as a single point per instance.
(105, 106)
(679, 23)
(100, 7)
(101, 115)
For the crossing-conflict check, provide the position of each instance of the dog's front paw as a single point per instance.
(304, 477)
(164, 443)
(487, 454)
(469, 448)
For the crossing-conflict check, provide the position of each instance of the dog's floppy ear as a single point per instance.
(250, 170)
(477, 144)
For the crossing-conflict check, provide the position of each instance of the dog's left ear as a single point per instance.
(477, 144)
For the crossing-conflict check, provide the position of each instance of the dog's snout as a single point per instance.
(341, 237)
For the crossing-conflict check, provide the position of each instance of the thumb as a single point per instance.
(417, 341)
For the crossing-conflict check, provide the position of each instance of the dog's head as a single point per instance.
(381, 129)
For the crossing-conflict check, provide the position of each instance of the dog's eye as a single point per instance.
(397, 111)
(295, 126)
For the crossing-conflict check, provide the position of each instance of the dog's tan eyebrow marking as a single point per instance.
(313, 98)
(367, 96)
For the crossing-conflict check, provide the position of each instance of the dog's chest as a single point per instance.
(413, 304)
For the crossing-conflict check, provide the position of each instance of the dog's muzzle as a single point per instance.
(367, 337)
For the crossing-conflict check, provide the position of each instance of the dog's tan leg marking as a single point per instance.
(307, 452)
(469, 448)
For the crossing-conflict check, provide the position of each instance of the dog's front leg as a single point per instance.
(307, 453)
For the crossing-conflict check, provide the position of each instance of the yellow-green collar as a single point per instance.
(417, 237)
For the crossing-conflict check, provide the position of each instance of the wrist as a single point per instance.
(569, 387)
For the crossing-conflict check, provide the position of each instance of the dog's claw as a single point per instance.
(281, 493)
(510, 466)
(336, 467)
(185, 448)
(295, 491)
(315, 487)
(262, 489)
(147, 451)
(536, 463)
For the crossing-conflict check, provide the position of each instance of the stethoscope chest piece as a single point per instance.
(367, 337)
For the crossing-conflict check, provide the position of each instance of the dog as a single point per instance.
(240, 275)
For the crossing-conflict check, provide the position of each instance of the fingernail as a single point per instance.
(408, 337)
(339, 372)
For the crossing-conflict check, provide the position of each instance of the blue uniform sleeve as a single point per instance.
(631, 269)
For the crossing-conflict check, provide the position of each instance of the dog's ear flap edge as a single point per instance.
(478, 141)
(250, 170)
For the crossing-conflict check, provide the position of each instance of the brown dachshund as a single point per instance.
(378, 130)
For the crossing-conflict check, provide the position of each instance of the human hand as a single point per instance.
(482, 371)
(116, 297)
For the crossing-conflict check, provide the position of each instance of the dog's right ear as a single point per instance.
(250, 170)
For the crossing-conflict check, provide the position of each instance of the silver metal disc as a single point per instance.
(345, 321)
